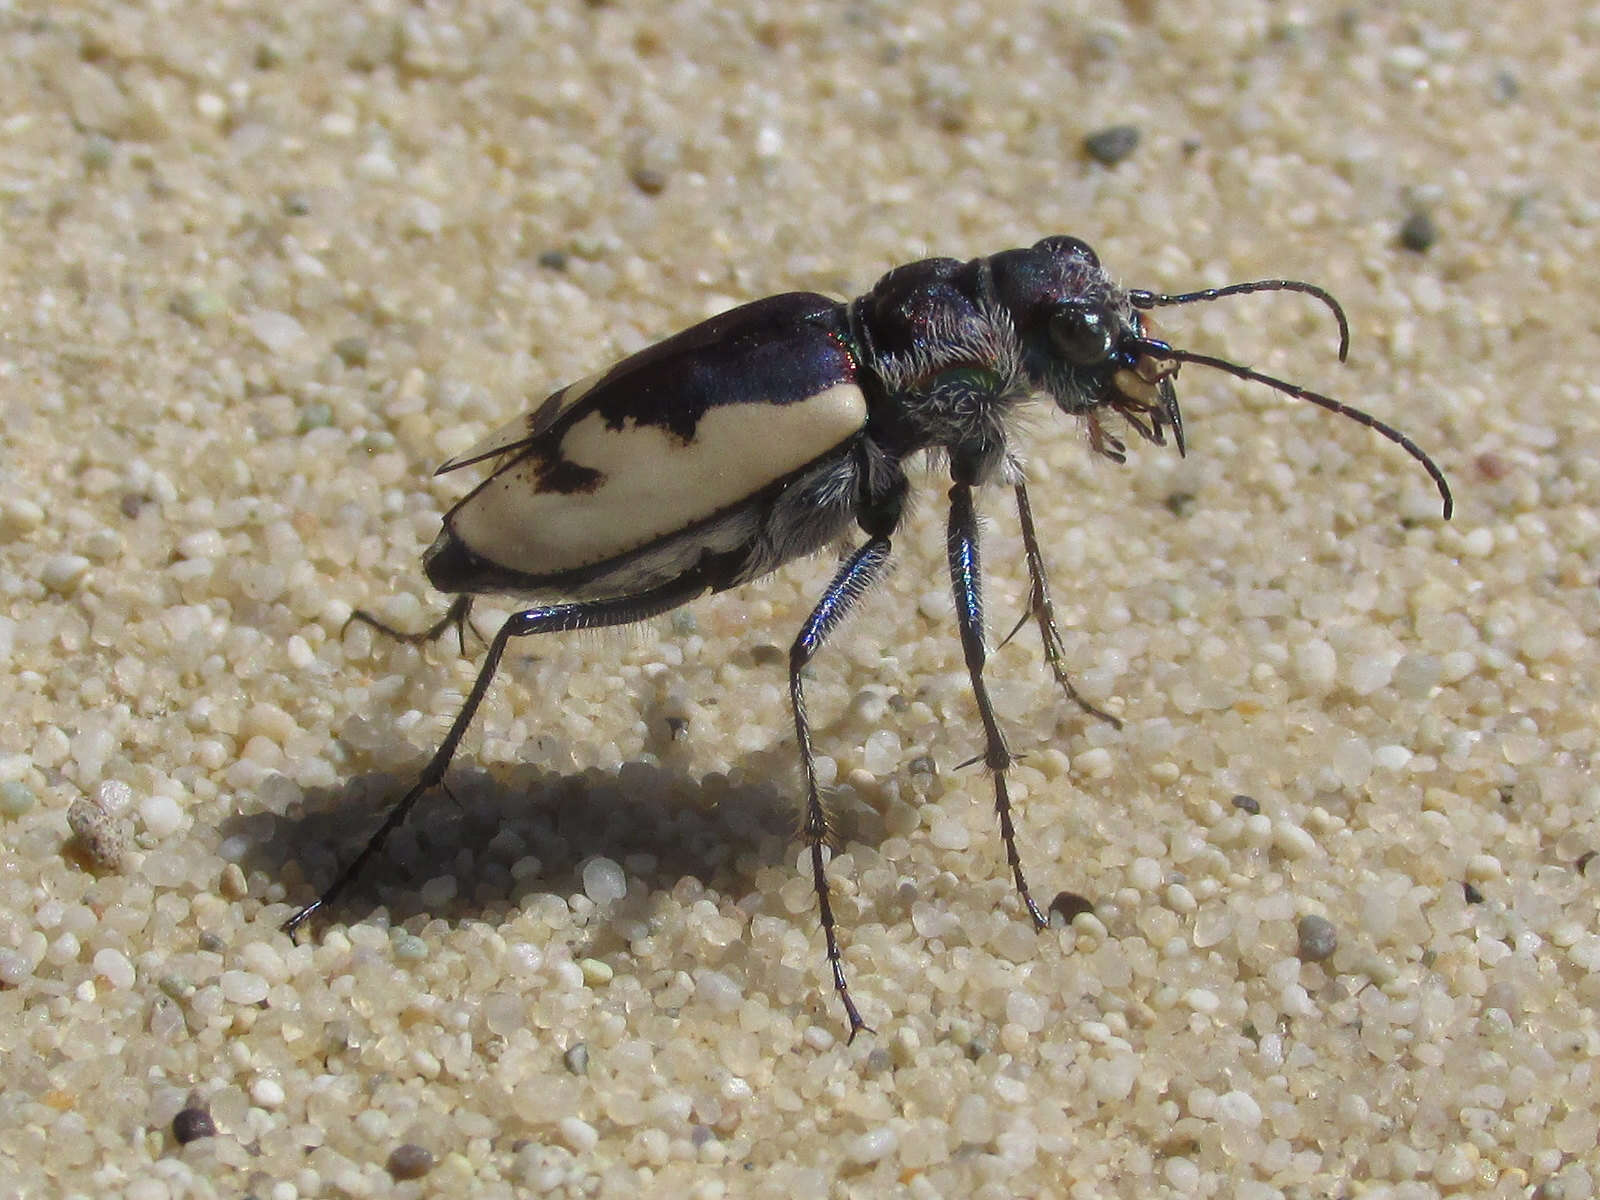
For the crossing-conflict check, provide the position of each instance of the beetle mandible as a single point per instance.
(773, 430)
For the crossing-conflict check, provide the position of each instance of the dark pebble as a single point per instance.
(577, 1059)
(1418, 232)
(410, 1161)
(1069, 905)
(192, 1124)
(353, 351)
(1318, 938)
(1180, 504)
(1111, 145)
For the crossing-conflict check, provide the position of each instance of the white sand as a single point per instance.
(262, 266)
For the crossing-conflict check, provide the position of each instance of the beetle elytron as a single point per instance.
(774, 429)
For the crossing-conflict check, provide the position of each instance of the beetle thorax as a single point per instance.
(960, 384)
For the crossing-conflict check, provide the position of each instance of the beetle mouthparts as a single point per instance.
(1144, 396)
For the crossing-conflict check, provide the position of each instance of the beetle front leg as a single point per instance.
(555, 618)
(966, 583)
(1040, 608)
(855, 576)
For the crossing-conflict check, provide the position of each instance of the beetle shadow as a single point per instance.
(508, 831)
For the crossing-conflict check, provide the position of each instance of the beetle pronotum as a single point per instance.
(768, 432)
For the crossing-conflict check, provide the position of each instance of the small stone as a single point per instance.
(949, 833)
(437, 892)
(1180, 504)
(1418, 232)
(99, 151)
(232, 883)
(410, 1161)
(62, 573)
(576, 1059)
(1238, 1108)
(577, 1134)
(162, 815)
(595, 972)
(1318, 938)
(1111, 145)
(1112, 1079)
(198, 305)
(1370, 673)
(1202, 1000)
(192, 1123)
(873, 1145)
(1316, 664)
(604, 881)
(1291, 841)
(881, 753)
(408, 947)
(1144, 873)
(1068, 905)
(651, 163)
(15, 967)
(315, 415)
(266, 1092)
(114, 967)
(1247, 804)
(243, 987)
(277, 332)
(16, 798)
(1457, 1166)
(96, 834)
(353, 352)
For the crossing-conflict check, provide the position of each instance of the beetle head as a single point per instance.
(1086, 344)
(1092, 346)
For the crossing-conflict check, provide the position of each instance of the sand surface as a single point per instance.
(262, 266)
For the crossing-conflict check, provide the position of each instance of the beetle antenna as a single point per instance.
(1157, 349)
(1143, 299)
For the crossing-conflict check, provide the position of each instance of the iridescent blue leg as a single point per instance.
(966, 584)
(855, 575)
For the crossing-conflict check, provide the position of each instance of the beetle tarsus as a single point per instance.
(456, 617)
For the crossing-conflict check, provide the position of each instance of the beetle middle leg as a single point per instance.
(555, 618)
(965, 582)
(855, 575)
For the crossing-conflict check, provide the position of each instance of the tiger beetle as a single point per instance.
(777, 428)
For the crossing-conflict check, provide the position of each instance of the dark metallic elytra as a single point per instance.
(774, 429)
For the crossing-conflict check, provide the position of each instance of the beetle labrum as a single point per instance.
(772, 431)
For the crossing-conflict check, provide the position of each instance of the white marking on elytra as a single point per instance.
(651, 484)
(523, 428)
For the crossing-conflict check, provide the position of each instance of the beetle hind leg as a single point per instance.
(855, 575)
(965, 582)
(555, 618)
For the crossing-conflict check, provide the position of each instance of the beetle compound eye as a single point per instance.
(1081, 334)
